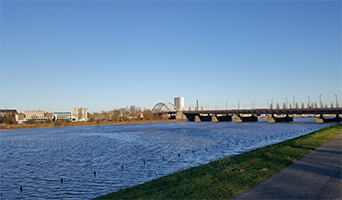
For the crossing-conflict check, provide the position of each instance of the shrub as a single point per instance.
(57, 123)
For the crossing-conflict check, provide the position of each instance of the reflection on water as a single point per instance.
(37, 159)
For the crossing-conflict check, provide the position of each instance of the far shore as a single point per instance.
(5, 127)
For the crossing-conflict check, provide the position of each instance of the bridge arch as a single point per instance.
(163, 107)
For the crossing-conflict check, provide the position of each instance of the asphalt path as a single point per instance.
(315, 176)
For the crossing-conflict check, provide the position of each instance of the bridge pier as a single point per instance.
(246, 119)
(321, 119)
(197, 118)
(274, 119)
(180, 115)
(214, 118)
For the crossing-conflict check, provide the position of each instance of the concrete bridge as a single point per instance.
(251, 115)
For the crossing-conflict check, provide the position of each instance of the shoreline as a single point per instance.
(74, 124)
(229, 176)
(5, 127)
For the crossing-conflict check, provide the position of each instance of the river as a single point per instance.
(123, 155)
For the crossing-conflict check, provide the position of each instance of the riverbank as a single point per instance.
(317, 175)
(72, 124)
(227, 177)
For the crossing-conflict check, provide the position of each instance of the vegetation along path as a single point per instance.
(228, 177)
(315, 176)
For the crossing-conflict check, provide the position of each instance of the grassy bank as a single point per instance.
(71, 124)
(226, 178)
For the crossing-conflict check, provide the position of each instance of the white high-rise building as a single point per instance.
(179, 103)
(81, 114)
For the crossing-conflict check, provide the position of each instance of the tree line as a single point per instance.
(124, 114)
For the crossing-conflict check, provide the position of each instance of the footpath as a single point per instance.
(315, 176)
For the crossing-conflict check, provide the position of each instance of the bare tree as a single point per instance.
(8, 118)
(148, 115)
(135, 112)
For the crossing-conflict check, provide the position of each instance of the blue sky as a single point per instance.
(57, 55)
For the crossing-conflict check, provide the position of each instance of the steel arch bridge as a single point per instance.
(164, 107)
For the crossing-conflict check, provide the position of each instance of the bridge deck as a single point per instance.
(269, 111)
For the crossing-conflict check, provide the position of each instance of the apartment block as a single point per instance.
(81, 114)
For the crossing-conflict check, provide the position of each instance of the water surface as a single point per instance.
(37, 159)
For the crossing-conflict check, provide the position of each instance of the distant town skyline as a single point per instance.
(105, 55)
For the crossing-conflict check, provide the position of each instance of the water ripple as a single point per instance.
(122, 155)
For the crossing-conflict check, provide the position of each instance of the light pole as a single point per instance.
(336, 101)
(272, 103)
(286, 102)
(308, 101)
(320, 100)
(294, 102)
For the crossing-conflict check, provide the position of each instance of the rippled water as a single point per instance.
(37, 159)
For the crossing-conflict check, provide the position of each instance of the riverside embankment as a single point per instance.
(74, 124)
(227, 177)
(315, 176)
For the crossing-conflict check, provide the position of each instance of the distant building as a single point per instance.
(5, 111)
(36, 115)
(49, 116)
(81, 114)
(61, 116)
(179, 103)
(33, 113)
(20, 117)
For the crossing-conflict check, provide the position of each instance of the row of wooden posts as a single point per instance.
(206, 149)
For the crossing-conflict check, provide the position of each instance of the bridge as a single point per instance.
(248, 115)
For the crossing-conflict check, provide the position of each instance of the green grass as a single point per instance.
(221, 179)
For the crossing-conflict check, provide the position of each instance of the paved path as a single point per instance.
(315, 176)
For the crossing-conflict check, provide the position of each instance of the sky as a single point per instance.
(104, 55)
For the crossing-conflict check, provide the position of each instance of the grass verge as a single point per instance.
(227, 177)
